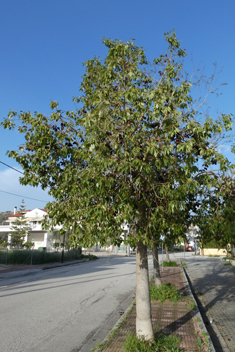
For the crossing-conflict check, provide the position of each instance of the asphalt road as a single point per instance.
(65, 309)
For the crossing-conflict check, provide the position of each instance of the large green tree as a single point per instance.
(128, 153)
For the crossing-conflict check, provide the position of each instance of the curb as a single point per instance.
(65, 264)
(201, 324)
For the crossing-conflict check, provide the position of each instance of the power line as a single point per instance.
(11, 167)
(18, 194)
(13, 194)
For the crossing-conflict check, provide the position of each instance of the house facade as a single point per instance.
(36, 233)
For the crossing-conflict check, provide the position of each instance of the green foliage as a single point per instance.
(3, 215)
(184, 265)
(213, 244)
(200, 343)
(161, 344)
(130, 152)
(206, 339)
(191, 304)
(40, 257)
(28, 244)
(165, 292)
(170, 263)
(3, 243)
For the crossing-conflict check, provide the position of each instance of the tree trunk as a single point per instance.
(144, 327)
(156, 268)
(167, 254)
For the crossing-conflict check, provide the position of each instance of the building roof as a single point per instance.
(18, 214)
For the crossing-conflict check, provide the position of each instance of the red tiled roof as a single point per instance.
(25, 211)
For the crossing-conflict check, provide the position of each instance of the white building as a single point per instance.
(39, 236)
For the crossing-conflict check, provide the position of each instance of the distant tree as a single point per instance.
(28, 245)
(19, 228)
(3, 215)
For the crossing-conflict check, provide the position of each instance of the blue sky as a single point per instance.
(44, 43)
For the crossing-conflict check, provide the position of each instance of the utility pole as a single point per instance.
(62, 253)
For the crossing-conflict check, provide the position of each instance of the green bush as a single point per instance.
(165, 292)
(170, 263)
(38, 257)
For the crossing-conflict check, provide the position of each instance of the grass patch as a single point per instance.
(191, 304)
(170, 263)
(161, 343)
(165, 292)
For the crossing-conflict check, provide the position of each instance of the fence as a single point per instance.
(35, 257)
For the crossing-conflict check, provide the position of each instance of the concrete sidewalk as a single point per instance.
(213, 281)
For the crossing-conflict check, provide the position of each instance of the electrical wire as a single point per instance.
(13, 194)
(11, 167)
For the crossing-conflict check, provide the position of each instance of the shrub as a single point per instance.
(165, 292)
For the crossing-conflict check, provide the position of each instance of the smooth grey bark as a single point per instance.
(144, 328)
(156, 267)
(167, 254)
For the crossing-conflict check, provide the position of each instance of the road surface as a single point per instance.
(63, 309)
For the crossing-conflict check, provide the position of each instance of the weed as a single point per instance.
(200, 343)
(216, 256)
(197, 320)
(170, 263)
(191, 304)
(204, 334)
(228, 264)
(157, 326)
(165, 292)
(184, 265)
(160, 343)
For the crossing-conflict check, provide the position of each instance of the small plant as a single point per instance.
(160, 344)
(200, 343)
(165, 292)
(197, 320)
(170, 263)
(228, 264)
(205, 336)
(157, 326)
(191, 304)
(184, 265)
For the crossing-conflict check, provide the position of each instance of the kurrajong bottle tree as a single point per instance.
(128, 153)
